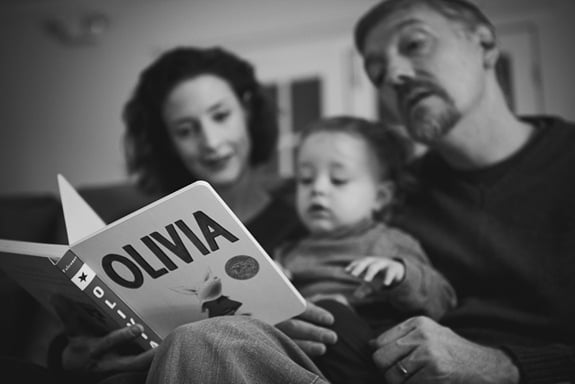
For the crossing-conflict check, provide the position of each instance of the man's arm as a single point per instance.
(423, 351)
(550, 363)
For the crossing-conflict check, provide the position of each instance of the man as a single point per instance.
(495, 210)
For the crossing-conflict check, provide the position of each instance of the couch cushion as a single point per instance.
(28, 218)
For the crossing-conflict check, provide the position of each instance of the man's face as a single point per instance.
(428, 69)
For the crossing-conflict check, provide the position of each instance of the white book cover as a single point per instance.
(183, 258)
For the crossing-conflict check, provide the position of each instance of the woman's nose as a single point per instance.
(211, 136)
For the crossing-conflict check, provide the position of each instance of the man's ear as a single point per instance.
(385, 194)
(488, 42)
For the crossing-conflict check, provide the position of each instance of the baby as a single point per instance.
(350, 175)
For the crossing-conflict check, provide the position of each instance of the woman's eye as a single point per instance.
(304, 180)
(221, 116)
(183, 131)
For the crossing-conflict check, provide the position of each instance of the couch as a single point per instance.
(28, 328)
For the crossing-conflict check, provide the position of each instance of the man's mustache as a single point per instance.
(412, 87)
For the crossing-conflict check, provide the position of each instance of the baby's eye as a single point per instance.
(303, 180)
(339, 180)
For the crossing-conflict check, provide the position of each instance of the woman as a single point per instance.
(201, 114)
(196, 113)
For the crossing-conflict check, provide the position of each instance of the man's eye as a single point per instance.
(415, 45)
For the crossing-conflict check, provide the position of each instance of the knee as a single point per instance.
(213, 331)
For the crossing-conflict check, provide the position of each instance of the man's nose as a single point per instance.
(399, 70)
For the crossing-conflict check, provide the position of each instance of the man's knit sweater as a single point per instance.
(504, 237)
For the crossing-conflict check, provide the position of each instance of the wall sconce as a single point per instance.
(84, 30)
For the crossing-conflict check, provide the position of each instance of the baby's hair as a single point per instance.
(391, 150)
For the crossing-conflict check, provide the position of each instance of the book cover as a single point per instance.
(180, 259)
(61, 281)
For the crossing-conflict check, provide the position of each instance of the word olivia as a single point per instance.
(163, 248)
(114, 304)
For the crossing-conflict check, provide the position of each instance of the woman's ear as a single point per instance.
(488, 42)
(246, 102)
(385, 195)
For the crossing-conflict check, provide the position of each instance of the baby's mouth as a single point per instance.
(318, 209)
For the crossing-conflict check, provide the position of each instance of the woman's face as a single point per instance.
(207, 125)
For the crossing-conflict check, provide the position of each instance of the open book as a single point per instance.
(182, 258)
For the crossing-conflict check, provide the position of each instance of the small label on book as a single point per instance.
(83, 277)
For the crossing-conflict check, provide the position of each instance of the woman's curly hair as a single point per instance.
(150, 155)
(392, 150)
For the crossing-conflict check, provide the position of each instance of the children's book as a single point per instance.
(182, 258)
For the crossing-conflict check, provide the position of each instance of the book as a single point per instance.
(182, 258)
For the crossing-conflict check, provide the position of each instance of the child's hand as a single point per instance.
(376, 272)
(284, 270)
(328, 296)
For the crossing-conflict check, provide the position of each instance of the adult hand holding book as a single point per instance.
(132, 271)
(84, 353)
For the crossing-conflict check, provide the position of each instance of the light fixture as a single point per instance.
(85, 29)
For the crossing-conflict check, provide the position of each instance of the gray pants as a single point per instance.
(231, 350)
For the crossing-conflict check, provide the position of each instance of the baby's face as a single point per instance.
(338, 182)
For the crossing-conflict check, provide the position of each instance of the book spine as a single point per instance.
(106, 299)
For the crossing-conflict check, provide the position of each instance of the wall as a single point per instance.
(60, 106)
(552, 22)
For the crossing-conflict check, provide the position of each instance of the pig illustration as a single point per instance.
(209, 293)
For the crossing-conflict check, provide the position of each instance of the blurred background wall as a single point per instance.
(68, 66)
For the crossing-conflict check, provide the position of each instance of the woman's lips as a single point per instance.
(216, 163)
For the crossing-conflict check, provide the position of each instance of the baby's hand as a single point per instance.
(376, 272)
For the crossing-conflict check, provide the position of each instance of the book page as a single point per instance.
(43, 250)
(81, 220)
(33, 266)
